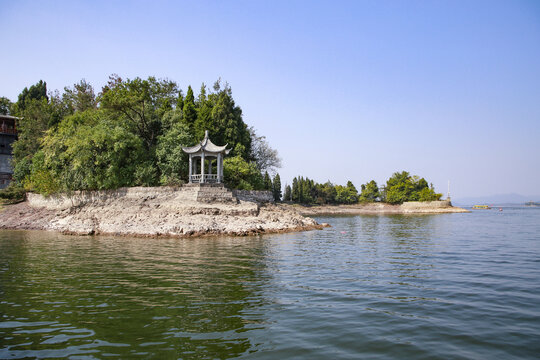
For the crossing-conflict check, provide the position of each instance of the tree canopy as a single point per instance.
(401, 187)
(131, 133)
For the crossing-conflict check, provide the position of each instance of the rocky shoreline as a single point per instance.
(183, 212)
(148, 212)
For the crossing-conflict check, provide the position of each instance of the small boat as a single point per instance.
(484, 207)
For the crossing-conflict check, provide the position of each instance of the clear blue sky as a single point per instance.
(345, 90)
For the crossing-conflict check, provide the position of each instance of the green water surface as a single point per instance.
(453, 286)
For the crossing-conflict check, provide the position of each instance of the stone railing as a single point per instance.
(208, 178)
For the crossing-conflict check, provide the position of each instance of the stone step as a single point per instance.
(208, 193)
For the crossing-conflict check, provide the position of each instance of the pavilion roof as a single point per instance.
(8, 117)
(206, 145)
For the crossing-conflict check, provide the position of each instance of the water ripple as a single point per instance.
(449, 286)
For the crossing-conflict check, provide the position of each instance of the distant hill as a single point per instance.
(496, 199)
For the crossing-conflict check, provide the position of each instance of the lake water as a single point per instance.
(451, 286)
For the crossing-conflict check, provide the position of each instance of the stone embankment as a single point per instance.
(186, 211)
(412, 207)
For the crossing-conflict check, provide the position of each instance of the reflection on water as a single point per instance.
(447, 286)
(128, 296)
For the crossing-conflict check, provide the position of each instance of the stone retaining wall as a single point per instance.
(258, 196)
(415, 205)
(191, 193)
(79, 198)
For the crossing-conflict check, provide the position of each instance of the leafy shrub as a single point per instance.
(239, 174)
(13, 193)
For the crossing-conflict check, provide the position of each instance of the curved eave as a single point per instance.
(207, 148)
(211, 147)
(192, 149)
(9, 117)
(209, 153)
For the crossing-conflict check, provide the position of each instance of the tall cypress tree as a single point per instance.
(295, 192)
(288, 193)
(267, 182)
(352, 187)
(276, 188)
(301, 184)
(180, 100)
(190, 112)
(35, 92)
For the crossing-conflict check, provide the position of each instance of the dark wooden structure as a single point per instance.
(8, 134)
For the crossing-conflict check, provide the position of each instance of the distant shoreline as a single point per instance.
(412, 207)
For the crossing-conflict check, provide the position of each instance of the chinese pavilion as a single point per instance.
(205, 154)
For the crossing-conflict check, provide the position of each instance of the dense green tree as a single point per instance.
(345, 195)
(36, 114)
(80, 97)
(295, 195)
(40, 179)
(172, 161)
(201, 99)
(89, 151)
(428, 194)
(172, 118)
(240, 174)
(204, 120)
(180, 100)
(370, 192)
(352, 187)
(353, 191)
(401, 187)
(148, 119)
(5, 106)
(37, 92)
(276, 188)
(288, 193)
(307, 194)
(267, 181)
(190, 112)
(303, 190)
(32, 124)
(231, 129)
(326, 193)
(140, 104)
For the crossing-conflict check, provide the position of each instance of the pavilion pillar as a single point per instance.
(209, 166)
(190, 168)
(219, 167)
(202, 167)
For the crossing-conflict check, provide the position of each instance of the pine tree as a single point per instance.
(202, 96)
(180, 100)
(277, 188)
(288, 193)
(295, 193)
(190, 112)
(35, 92)
(352, 187)
(267, 182)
